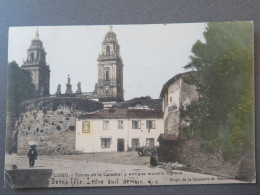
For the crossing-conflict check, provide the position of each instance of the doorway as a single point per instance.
(120, 145)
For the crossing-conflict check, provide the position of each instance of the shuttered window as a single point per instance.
(120, 124)
(150, 124)
(136, 124)
(105, 125)
(105, 142)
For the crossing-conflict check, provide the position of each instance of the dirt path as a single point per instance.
(124, 158)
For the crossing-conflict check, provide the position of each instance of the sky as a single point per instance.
(152, 54)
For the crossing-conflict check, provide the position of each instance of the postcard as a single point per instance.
(130, 105)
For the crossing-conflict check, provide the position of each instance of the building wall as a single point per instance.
(172, 104)
(91, 142)
(178, 93)
(188, 94)
(174, 94)
(144, 133)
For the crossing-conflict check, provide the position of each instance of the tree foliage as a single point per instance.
(20, 86)
(224, 114)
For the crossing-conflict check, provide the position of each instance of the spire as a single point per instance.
(110, 29)
(37, 34)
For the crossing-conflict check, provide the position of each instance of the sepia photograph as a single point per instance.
(130, 105)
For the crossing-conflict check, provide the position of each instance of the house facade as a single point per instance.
(118, 130)
(176, 94)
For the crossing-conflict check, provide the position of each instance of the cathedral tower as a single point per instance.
(110, 70)
(36, 64)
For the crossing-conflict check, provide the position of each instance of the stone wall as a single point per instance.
(51, 123)
(171, 122)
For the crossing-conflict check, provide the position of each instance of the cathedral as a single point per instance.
(109, 87)
(59, 122)
(62, 122)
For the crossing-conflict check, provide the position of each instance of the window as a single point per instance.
(120, 124)
(32, 57)
(150, 124)
(150, 142)
(86, 127)
(170, 99)
(136, 124)
(105, 142)
(107, 50)
(105, 125)
(135, 143)
(107, 75)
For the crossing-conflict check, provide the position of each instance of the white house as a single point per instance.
(118, 130)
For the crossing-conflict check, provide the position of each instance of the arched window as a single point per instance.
(32, 57)
(107, 50)
(37, 56)
(107, 75)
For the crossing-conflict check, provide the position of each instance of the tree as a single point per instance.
(223, 115)
(20, 86)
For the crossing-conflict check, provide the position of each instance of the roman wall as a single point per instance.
(51, 123)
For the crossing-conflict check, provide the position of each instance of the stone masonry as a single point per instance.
(51, 123)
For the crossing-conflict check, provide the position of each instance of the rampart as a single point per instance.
(50, 123)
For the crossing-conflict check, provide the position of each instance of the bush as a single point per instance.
(209, 146)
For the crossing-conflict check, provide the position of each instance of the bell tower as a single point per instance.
(110, 70)
(36, 64)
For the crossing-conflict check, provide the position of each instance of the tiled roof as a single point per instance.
(144, 113)
(151, 104)
(173, 79)
(124, 113)
(108, 113)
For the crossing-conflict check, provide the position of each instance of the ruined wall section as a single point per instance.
(51, 123)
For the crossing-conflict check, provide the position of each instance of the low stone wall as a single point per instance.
(51, 123)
